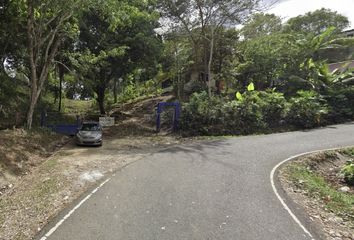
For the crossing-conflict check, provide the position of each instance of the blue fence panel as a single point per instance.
(66, 129)
(69, 130)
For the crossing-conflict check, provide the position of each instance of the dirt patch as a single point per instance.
(52, 184)
(314, 182)
(22, 150)
(143, 113)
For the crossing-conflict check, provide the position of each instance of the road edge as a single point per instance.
(77, 206)
(296, 212)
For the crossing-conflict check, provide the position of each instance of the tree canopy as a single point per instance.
(261, 24)
(317, 22)
(111, 51)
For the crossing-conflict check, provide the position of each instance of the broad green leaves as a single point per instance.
(250, 87)
(239, 96)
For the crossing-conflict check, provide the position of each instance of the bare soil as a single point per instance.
(22, 150)
(328, 165)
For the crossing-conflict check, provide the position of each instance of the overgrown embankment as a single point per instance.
(21, 150)
(317, 182)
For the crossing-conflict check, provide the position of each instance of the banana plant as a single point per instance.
(250, 88)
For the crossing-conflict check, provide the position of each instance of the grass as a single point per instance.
(317, 187)
(43, 189)
(77, 106)
(214, 138)
(349, 152)
(50, 164)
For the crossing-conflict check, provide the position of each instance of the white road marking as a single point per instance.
(52, 230)
(278, 195)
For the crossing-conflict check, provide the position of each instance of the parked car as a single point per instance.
(89, 134)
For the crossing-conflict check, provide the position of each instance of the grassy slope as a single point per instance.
(318, 188)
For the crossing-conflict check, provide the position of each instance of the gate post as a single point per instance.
(158, 120)
(177, 113)
(78, 121)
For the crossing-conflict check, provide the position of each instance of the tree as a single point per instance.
(12, 32)
(201, 20)
(269, 58)
(176, 61)
(115, 41)
(261, 24)
(97, 47)
(225, 56)
(48, 24)
(317, 22)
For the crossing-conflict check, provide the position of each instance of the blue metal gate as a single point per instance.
(160, 108)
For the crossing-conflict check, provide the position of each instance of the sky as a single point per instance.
(292, 8)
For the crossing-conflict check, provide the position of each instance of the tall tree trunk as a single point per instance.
(42, 46)
(33, 68)
(115, 93)
(100, 99)
(40, 58)
(33, 101)
(211, 54)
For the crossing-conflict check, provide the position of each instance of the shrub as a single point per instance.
(307, 110)
(134, 90)
(254, 112)
(244, 116)
(340, 101)
(348, 172)
(212, 116)
(195, 87)
(201, 114)
(273, 106)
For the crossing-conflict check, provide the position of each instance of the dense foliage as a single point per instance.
(262, 112)
(114, 51)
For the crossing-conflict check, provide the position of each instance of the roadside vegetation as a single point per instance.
(267, 76)
(322, 184)
(317, 186)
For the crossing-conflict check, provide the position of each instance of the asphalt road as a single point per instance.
(218, 190)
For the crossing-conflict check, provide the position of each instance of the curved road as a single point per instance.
(219, 190)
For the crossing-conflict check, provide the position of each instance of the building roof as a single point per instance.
(350, 30)
(349, 33)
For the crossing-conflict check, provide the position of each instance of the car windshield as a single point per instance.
(90, 127)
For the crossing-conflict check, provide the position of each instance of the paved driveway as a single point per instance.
(218, 190)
